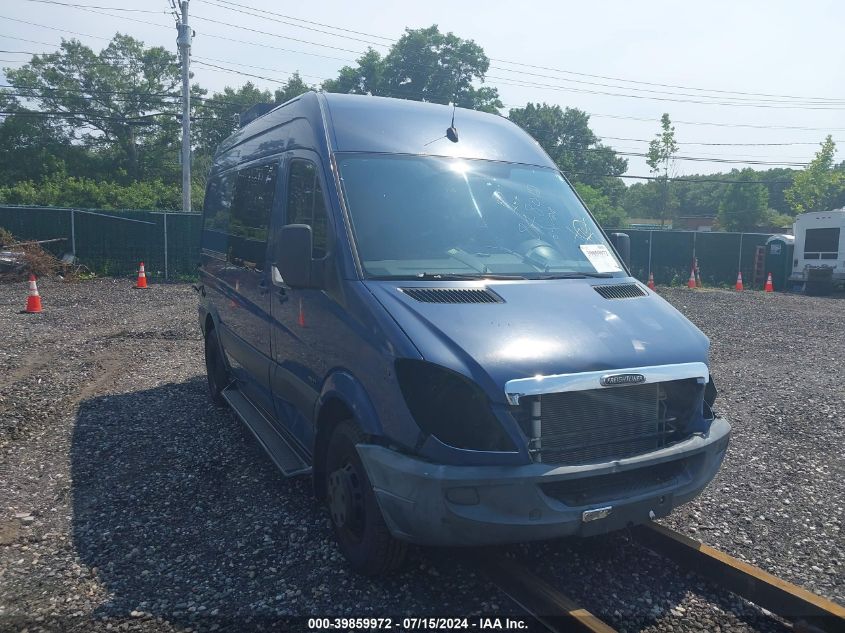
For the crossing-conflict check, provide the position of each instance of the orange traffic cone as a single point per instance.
(691, 283)
(301, 315)
(739, 287)
(142, 277)
(33, 301)
(769, 285)
(650, 283)
(232, 302)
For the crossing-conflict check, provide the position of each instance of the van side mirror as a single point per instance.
(622, 243)
(292, 255)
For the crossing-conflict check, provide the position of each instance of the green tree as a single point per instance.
(817, 187)
(609, 215)
(744, 205)
(423, 65)
(660, 159)
(118, 102)
(566, 137)
(642, 200)
(218, 115)
(292, 88)
(33, 145)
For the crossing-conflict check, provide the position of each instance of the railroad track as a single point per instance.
(807, 612)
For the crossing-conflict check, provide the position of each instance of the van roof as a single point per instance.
(360, 123)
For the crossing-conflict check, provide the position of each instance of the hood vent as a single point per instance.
(620, 291)
(453, 295)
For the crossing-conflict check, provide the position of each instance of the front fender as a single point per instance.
(342, 385)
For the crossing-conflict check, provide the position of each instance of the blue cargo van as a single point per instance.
(410, 304)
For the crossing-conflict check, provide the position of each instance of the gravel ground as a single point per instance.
(128, 502)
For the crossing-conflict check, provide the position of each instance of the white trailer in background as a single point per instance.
(819, 242)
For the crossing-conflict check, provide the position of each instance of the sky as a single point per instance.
(746, 80)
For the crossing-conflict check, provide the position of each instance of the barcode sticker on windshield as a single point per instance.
(600, 258)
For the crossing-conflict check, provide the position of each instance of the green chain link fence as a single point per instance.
(669, 255)
(114, 242)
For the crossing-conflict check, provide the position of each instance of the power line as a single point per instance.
(526, 84)
(693, 179)
(809, 101)
(660, 85)
(336, 28)
(209, 35)
(307, 28)
(265, 12)
(20, 39)
(508, 81)
(718, 159)
(645, 140)
(744, 125)
(756, 126)
(134, 93)
(724, 160)
(523, 84)
(705, 159)
(83, 114)
(515, 82)
(44, 26)
(816, 106)
(296, 72)
(284, 37)
(87, 6)
(238, 72)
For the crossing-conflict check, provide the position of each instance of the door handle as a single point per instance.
(263, 287)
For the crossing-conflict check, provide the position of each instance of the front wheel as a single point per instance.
(356, 518)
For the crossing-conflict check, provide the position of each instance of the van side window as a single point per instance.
(306, 204)
(255, 189)
(215, 224)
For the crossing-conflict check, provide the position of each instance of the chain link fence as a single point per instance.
(114, 242)
(669, 255)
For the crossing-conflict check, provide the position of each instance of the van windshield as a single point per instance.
(427, 216)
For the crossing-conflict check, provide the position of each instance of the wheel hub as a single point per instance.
(345, 498)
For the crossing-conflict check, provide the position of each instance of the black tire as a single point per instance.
(215, 369)
(356, 518)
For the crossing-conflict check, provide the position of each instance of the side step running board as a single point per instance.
(283, 454)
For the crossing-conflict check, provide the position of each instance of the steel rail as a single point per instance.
(806, 610)
(549, 606)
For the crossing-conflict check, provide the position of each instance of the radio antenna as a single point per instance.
(452, 131)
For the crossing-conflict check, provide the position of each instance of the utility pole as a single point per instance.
(184, 42)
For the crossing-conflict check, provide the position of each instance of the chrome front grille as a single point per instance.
(579, 427)
(599, 425)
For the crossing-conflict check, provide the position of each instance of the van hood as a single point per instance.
(542, 327)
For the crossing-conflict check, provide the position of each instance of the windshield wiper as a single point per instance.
(448, 276)
(462, 276)
(576, 276)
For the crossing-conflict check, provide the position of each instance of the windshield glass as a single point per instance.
(418, 216)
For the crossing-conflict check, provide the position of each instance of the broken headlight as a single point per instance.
(451, 407)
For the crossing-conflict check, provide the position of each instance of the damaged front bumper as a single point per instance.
(433, 504)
